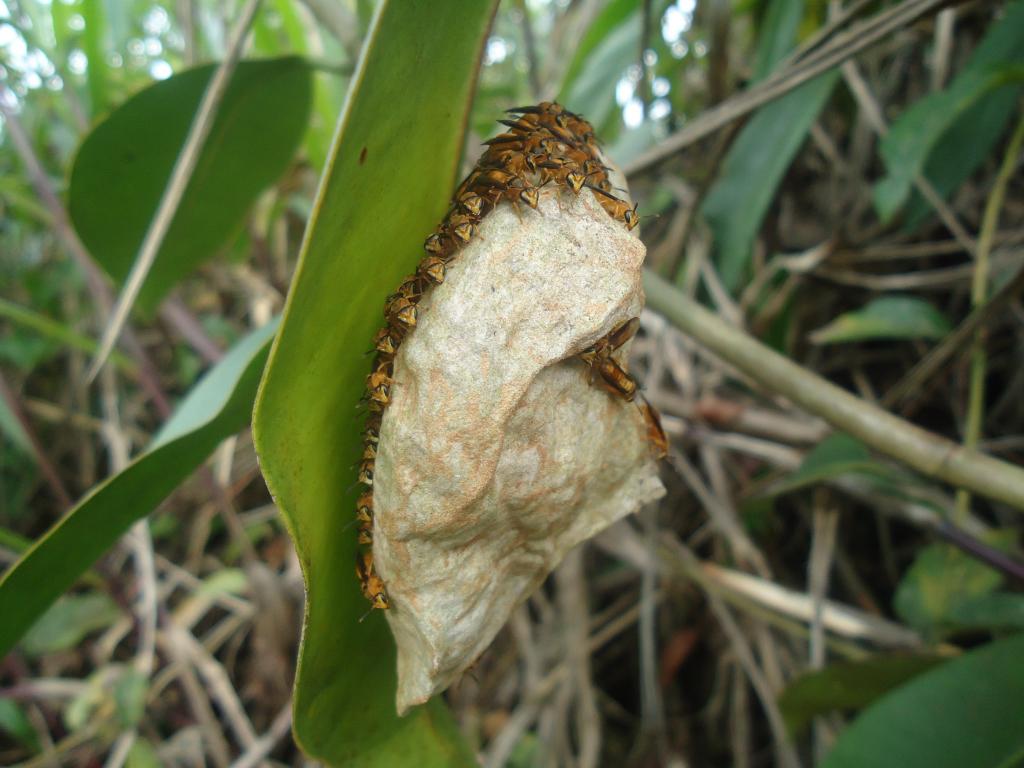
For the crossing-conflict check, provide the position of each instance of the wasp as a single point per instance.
(364, 508)
(402, 312)
(365, 536)
(655, 433)
(439, 244)
(462, 227)
(615, 379)
(603, 368)
(370, 583)
(366, 472)
(432, 269)
(616, 208)
(471, 203)
(384, 342)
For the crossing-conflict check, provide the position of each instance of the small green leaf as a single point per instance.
(967, 712)
(386, 185)
(888, 317)
(68, 621)
(836, 455)
(941, 580)
(970, 111)
(12, 428)
(848, 686)
(122, 166)
(130, 697)
(214, 409)
(15, 723)
(143, 755)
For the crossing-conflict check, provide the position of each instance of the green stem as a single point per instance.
(979, 292)
(928, 453)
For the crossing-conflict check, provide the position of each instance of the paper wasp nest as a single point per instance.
(496, 455)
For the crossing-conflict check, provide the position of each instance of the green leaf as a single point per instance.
(777, 35)
(15, 723)
(143, 755)
(122, 166)
(616, 14)
(95, 43)
(385, 187)
(753, 169)
(940, 581)
(130, 697)
(993, 611)
(970, 112)
(848, 686)
(836, 455)
(591, 90)
(12, 428)
(68, 621)
(967, 712)
(214, 409)
(58, 332)
(888, 317)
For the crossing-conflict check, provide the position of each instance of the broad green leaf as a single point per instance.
(753, 169)
(68, 621)
(941, 580)
(888, 317)
(386, 185)
(848, 686)
(970, 112)
(122, 166)
(214, 409)
(967, 712)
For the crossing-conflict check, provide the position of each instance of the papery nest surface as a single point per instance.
(496, 454)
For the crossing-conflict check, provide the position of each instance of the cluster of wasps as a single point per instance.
(544, 144)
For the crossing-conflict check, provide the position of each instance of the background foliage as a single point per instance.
(798, 599)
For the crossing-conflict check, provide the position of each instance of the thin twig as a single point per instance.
(176, 185)
(926, 452)
(265, 743)
(786, 755)
(979, 293)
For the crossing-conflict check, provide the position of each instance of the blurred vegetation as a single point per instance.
(841, 182)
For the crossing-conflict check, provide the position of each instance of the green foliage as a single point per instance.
(848, 686)
(967, 712)
(887, 317)
(68, 621)
(215, 408)
(386, 186)
(763, 151)
(15, 723)
(123, 165)
(941, 581)
(946, 135)
(835, 456)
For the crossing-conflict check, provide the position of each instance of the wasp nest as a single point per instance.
(504, 427)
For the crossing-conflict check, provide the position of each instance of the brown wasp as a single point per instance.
(370, 583)
(364, 508)
(616, 208)
(655, 433)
